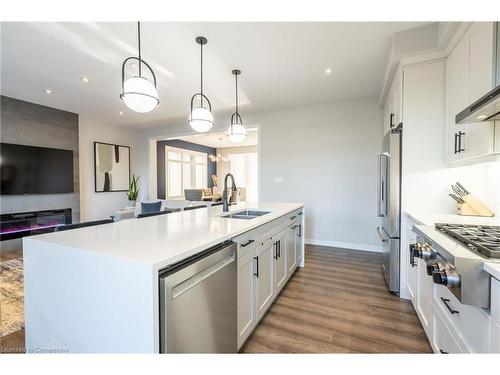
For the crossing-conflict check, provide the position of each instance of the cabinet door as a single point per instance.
(412, 270)
(291, 248)
(279, 260)
(265, 284)
(299, 244)
(457, 88)
(424, 297)
(247, 275)
(481, 59)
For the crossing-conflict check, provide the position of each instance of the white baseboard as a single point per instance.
(344, 245)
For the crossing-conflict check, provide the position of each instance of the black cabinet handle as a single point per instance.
(456, 144)
(391, 123)
(293, 217)
(300, 213)
(257, 271)
(443, 352)
(300, 230)
(248, 243)
(460, 134)
(275, 256)
(446, 302)
(278, 251)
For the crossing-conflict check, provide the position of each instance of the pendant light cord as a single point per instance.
(201, 72)
(139, 45)
(236, 78)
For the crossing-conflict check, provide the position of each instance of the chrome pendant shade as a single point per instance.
(139, 93)
(200, 116)
(236, 131)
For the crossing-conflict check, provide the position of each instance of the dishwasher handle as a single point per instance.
(194, 280)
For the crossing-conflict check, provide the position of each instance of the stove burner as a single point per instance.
(481, 238)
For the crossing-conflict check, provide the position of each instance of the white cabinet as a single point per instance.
(266, 258)
(469, 76)
(443, 340)
(412, 269)
(265, 277)
(393, 105)
(247, 275)
(279, 260)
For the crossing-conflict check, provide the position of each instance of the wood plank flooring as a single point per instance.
(339, 303)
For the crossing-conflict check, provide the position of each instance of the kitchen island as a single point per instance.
(96, 289)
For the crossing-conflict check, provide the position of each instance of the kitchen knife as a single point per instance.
(456, 190)
(456, 198)
(461, 187)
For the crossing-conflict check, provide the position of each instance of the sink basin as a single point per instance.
(246, 215)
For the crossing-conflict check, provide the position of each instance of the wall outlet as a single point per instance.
(278, 179)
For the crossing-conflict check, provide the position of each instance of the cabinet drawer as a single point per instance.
(470, 323)
(442, 340)
(246, 242)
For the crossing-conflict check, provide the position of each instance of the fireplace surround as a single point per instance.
(22, 224)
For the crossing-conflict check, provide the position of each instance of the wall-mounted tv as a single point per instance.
(35, 170)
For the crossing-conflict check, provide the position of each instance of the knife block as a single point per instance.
(472, 206)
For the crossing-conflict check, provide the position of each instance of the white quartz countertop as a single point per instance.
(431, 219)
(165, 239)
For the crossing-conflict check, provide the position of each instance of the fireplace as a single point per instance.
(21, 224)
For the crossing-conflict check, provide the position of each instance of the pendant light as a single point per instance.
(138, 92)
(200, 117)
(236, 131)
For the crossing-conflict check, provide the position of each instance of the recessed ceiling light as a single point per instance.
(328, 71)
(120, 113)
(481, 117)
(48, 91)
(84, 79)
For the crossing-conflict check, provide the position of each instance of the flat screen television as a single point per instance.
(35, 170)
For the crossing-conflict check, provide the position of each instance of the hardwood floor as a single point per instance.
(338, 303)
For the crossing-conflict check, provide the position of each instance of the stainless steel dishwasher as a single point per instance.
(198, 303)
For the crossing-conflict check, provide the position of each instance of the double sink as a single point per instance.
(246, 214)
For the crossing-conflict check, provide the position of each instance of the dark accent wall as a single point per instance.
(177, 143)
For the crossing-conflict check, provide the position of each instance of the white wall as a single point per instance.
(326, 157)
(95, 206)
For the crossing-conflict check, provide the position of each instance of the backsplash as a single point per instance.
(432, 188)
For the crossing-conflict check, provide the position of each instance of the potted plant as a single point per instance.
(133, 191)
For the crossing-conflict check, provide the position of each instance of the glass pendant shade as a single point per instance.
(236, 133)
(201, 119)
(140, 95)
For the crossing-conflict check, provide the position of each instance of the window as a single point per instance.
(184, 169)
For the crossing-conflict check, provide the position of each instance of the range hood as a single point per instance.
(487, 108)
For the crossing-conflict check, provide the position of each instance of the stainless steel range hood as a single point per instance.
(487, 108)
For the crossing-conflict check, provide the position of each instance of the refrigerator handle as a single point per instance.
(382, 185)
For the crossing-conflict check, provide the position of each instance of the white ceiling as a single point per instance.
(283, 64)
(220, 139)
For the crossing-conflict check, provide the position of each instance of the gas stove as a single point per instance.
(483, 239)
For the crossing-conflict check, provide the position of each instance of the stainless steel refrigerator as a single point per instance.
(389, 205)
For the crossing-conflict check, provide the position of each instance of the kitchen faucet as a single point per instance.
(225, 200)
